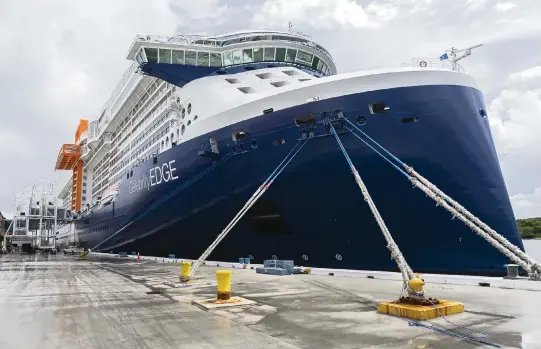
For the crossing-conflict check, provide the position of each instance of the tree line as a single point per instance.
(529, 228)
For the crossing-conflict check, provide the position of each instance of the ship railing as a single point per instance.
(433, 63)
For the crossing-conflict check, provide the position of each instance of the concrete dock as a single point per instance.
(57, 301)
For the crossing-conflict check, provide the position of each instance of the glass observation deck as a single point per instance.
(222, 54)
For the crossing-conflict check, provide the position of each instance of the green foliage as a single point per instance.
(529, 228)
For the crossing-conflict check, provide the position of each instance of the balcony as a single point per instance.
(68, 156)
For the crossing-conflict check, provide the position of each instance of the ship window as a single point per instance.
(189, 108)
(410, 119)
(182, 129)
(215, 60)
(203, 59)
(290, 55)
(172, 135)
(228, 58)
(152, 55)
(246, 89)
(264, 75)
(178, 56)
(258, 54)
(379, 108)
(280, 54)
(247, 55)
(164, 56)
(269, 53)
(304, 57)
(315, 62)
(131, 173)
(183, 113)
(189, 122)
(304, 79)
(320, 65)
(232, 80)
(279, 83)
(163, 143)
(191, 57)
(237, 57)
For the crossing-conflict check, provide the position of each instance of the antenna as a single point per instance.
(453, 54)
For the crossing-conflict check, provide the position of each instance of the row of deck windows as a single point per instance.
(248, 55)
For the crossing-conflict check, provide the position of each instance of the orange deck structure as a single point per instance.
(69, 158)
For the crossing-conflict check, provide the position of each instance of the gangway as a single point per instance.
(36, 217)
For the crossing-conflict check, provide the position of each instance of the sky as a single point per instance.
(61, 59)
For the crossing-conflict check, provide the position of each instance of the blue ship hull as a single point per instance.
(314, 212)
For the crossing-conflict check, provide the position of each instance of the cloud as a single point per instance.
(316, 13)
(504, 6)
(515, 121)
(527, 205)
(60, 61)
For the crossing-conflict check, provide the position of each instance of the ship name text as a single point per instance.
(157, 175)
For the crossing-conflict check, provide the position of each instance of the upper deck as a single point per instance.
(194, 56)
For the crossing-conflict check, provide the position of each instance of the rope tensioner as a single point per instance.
(498, 241)
(412, 283)
(259, 192)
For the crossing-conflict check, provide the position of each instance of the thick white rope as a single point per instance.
(500, 242)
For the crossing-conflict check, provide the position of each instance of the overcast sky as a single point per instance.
(60, 60)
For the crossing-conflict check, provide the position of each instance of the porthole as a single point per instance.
(361, 120)
(483, 113)
(166, 139)
(182, 129)
(183, 113)
(189, 108)
(305, 257)
(195, 118)
(254, 143)
(408, 120)
(162, 143)
(338, 257)
(178, 100)
(251, 257)
(189, 122)
(131, 173)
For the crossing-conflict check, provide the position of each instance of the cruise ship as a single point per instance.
(198, 122)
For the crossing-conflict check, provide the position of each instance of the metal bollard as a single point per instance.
(223, 279)
(185, 271)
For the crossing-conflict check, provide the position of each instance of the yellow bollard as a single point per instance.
(185, 271)
(82, 254)
(223, 278)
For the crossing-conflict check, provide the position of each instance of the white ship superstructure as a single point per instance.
(146, 115)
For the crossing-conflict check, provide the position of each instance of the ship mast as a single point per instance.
(453, 54)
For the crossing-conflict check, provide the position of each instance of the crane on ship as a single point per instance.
(451, 55)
